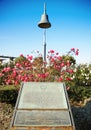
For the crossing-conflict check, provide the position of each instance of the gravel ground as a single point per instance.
(6, 111)
(82, 116)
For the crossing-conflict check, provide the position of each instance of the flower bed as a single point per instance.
(33, 69)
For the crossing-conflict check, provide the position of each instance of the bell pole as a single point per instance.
(44, 24)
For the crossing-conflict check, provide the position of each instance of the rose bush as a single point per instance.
(33, 69)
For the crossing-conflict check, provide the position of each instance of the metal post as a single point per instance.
(44, 43)
(44, 23)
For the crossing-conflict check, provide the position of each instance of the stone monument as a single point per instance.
(42, 106)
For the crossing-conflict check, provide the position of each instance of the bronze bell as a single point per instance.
(44, 22)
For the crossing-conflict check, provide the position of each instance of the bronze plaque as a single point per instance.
(43, 96)
(42, 118)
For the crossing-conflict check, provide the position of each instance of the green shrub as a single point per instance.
(8, 94)
(83, 75)
(79, 93)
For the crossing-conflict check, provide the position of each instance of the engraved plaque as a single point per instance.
(42, 106)
(42, 118)
(42, 96)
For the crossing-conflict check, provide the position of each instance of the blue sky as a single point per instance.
(70, 20)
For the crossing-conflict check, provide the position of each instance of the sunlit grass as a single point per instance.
(7, 87)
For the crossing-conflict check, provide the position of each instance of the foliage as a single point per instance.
(8, 94)
(20, 59)
(79, 93)
(57, 68)
(83, 75)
